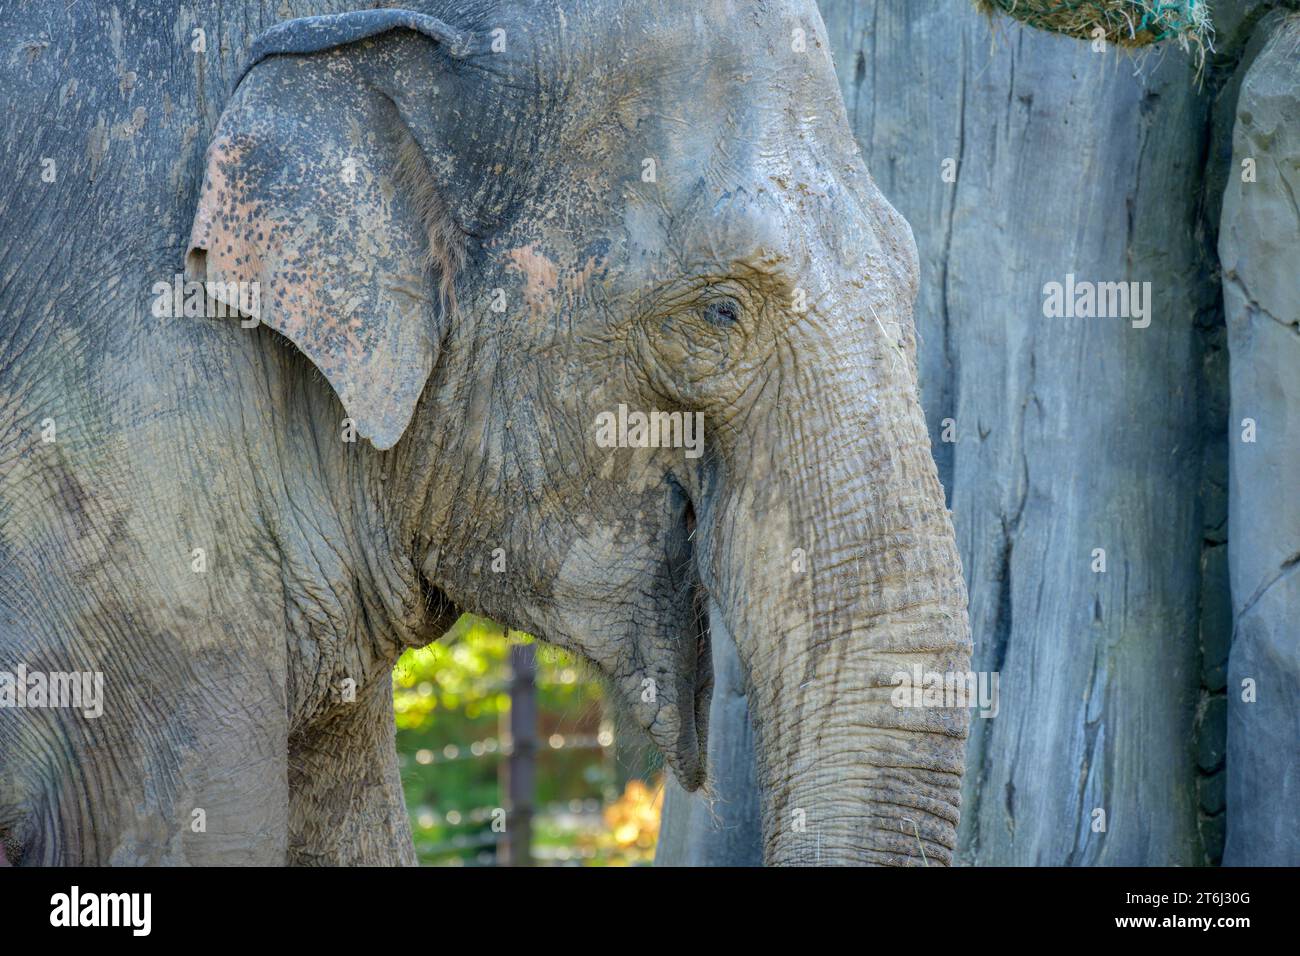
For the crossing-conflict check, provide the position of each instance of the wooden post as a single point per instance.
(519, 769)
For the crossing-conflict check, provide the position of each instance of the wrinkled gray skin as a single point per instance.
(326, 558)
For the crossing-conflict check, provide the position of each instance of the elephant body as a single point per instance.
(167, 439)
(240, 521)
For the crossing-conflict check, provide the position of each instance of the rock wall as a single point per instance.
(1259, 247)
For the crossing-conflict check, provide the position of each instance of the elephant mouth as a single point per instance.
(691, 763)
(685, 749)
(703, 684)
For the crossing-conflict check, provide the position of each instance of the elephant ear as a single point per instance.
(316, 191)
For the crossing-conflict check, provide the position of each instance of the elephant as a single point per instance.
(294, 376)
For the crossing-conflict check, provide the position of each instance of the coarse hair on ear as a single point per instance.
(445, 250)
(317, 193)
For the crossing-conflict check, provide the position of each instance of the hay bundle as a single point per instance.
(1126, 22)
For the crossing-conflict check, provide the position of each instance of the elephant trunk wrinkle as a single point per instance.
(834, 584)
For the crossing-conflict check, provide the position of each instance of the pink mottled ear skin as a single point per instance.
(319, 223)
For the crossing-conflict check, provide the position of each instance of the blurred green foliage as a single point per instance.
(452, 700)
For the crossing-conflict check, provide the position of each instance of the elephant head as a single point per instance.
(499, 236)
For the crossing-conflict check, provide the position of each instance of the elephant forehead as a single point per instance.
(784, 227)
(669, 33)
(697, 140)
(679, 79)
(776, 237)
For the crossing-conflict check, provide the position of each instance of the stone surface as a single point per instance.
(1259, 247)
(1072, 434)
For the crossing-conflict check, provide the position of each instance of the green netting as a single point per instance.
(1126, 22)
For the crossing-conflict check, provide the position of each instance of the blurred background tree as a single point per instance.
(598, 788)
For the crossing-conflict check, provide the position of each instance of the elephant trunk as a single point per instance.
(836, 579)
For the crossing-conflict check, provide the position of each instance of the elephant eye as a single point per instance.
(722, 312)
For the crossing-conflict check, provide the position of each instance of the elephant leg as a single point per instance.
(345, 794)
(232, 801)
(184, 770)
